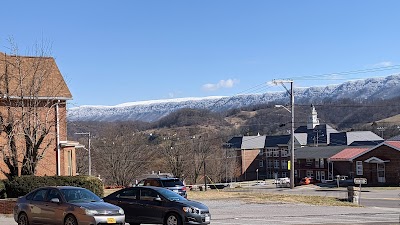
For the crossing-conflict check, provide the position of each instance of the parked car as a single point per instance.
(156, 205)
(172, 183)
(66, 205)
(307, 180)
(282, 182)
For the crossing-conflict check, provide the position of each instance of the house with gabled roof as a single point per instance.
(379, 163)
(35, 83)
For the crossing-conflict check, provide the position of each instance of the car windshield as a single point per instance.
(79, 195)
(170, 195)
(172, 183)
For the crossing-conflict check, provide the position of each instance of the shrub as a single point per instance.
(2, 190)
(22, 185)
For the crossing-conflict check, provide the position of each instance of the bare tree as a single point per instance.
(120, 159)
(175, 152)
(28, 101)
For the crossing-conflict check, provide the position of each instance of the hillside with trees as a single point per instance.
(186, 140)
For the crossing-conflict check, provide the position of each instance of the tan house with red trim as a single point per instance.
(25, 81)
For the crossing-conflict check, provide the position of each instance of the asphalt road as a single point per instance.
(379, 207)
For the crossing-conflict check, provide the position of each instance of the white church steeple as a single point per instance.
(313, 119)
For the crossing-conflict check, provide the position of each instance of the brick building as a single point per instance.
(33, 94)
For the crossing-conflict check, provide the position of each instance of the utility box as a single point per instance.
(353, 194)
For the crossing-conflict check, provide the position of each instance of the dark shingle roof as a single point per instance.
(235, 142)
(274, 141)
(317, 152)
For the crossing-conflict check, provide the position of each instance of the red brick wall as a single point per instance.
(250, 160)
(7, 206)
(48, 165)
(392, 168)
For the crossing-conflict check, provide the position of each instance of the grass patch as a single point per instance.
(259, 198)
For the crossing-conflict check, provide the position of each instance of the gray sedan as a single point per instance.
(66, 205)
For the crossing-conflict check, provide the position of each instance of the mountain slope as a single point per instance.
(372, 88)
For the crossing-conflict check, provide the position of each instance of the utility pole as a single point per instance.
(291, 93)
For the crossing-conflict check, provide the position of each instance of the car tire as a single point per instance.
(70, 220)
(23, 219)
(172, 219)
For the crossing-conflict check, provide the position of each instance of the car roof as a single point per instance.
(162, 178)
(148, 187)
(61, 187)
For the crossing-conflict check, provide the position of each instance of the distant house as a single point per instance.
(36, 80)
(379, 164)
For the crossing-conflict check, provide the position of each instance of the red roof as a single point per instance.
(347, 154)
(395, 144)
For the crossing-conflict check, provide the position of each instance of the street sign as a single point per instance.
(360, 180)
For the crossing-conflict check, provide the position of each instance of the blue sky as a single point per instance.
(112, 52)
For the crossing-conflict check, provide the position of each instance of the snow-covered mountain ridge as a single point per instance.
(372, 88)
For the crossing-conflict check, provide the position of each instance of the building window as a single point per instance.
(316, 163)
(260, 163)
(284, 164)
(69, 163)
(322, 175)
(269, 152)
(284, 174)
(276, 153)
(359, 168)
(276, 164)
(321, 163)
(310, 173)
(309, 162)
(261, 152)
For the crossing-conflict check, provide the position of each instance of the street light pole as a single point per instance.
(90, 157)
(291, 93)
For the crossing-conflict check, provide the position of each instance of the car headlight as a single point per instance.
(191, 210)
(91, 212)
(121, 211)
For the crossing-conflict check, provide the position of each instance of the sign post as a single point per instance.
(360, 181)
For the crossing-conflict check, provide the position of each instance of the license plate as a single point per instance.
(207, 219)
(111, 220)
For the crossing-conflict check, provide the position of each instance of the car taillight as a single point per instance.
(184, 188)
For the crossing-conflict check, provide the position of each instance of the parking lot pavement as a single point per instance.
(7, 219)
(235, 212)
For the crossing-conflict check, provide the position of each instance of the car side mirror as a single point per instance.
(55, 200)
(158, 199)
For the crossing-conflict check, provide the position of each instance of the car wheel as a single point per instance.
(173, 219)
(23, 219)
(70, 220)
